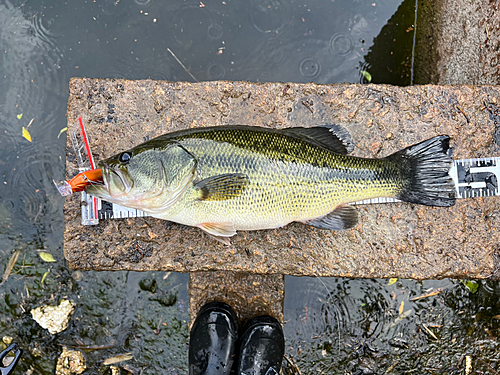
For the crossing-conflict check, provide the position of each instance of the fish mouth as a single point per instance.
(116, 183)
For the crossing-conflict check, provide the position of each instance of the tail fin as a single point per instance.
(425, 168)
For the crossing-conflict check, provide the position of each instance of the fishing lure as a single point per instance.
(79, 182)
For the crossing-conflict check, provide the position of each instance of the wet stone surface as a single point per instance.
(457, 42)
(249, 294)
(391, 240)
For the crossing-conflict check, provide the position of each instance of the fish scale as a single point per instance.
(283, 187)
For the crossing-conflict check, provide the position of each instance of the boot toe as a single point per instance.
(213, 340)
(262, 347)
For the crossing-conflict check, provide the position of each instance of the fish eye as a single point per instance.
(125, 157)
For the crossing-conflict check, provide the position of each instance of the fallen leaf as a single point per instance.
(471, 285)
(393, 280)
(20, 116)
(118, 358)
(400, 318)
(44, 276)
(436, 292)
(26, 134)
(62, 131)
(10, 266)
(401, 307)
(47, 257)
(367, 75)
(393, 294)
(496, 317)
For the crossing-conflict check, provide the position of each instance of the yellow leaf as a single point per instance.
(26, 134)
(47, 257)
(393, 280)
(401, 307)
(118, 358)
(20, 116)
(62, 131)
(44, 276)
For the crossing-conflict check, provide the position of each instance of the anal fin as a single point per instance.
(342, 218)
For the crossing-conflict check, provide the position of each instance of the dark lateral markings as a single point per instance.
(473, 178)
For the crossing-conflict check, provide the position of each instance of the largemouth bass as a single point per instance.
(228, 178)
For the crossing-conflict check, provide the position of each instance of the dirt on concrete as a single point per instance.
(458, 42)
(391, 240)
(248, 294)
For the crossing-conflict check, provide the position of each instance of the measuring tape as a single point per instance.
(473, 178)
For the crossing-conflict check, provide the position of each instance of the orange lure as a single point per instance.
(81, 180)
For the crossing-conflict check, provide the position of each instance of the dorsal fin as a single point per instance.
(332, 137)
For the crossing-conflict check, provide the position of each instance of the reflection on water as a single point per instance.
(32, 84)
(333, 325)
(371, 327)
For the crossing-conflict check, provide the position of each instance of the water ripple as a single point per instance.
(34, 84)
(215, 31)
(112, 7)
(271, 16)
(144, 3)
(273, 52)
(143, 58)
(341, 44)
(29, 194)
(192, 24)
(30, 42)
(216, 71)
(309, 67)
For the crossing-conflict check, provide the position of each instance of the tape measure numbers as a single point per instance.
(477, 177)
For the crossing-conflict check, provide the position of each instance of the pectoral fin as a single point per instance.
(219, 231)
(341, 218)
(222, 187)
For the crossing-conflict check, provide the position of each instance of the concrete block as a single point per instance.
(248, 294)
(391, 240)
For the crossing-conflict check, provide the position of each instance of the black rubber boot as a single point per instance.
(212, 342)
(261, 348)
